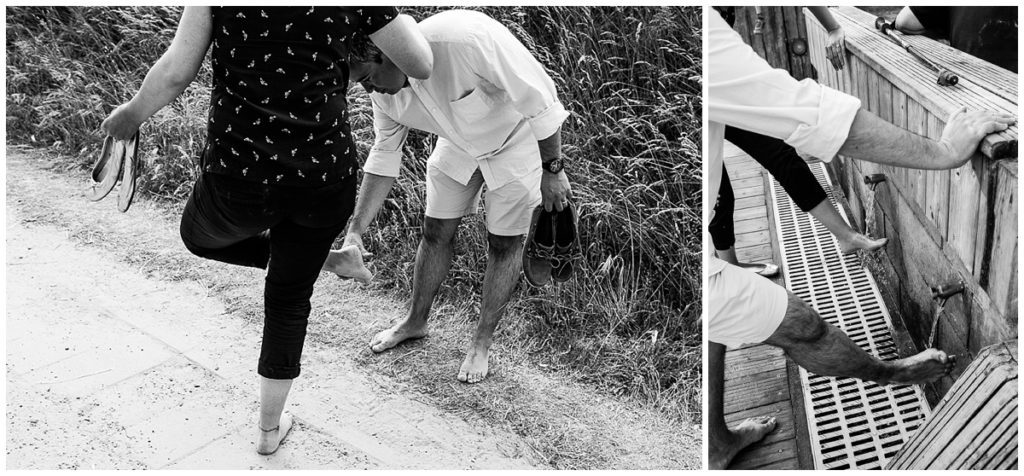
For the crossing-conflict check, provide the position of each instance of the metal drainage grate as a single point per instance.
(853, 424)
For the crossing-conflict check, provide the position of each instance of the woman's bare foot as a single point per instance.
(927, 366)
(270, 441)
(747, 433)
(348, 263)
(397, 334)
(859, 241)
(474, 366)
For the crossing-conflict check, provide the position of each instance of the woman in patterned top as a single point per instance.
(278, 176)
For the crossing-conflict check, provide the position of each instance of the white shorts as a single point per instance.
(508, 209)
(743, 307)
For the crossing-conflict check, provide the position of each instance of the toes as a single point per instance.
(462, 376)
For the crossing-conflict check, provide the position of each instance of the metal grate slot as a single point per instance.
(853, 424)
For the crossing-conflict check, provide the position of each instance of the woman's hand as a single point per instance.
(835, 49)
(122, 123)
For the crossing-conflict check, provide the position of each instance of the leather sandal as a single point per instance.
(539, 248)
(567, 243)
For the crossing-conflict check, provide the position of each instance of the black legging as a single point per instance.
(286, 230)
(782, 162)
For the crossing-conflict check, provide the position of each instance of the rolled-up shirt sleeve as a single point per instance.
(385, 157)
(506, 63)
(745, 92)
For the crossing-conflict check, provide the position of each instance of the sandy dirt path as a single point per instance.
(124, 351)
(108, 368)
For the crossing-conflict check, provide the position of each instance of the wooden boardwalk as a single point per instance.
(759, 379)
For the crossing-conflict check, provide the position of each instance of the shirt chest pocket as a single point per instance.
(483, 120)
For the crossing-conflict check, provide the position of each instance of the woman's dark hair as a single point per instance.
(362, 50)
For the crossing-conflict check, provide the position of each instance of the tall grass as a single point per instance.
(626, 323)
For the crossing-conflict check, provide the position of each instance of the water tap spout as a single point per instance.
(873, 180)
(946, 290)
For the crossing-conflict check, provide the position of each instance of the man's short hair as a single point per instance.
(363, 50)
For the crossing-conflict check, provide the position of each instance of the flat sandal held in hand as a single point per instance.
(131, 169)
(106, 171)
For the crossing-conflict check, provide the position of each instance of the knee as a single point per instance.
(503, 245)
(438, 233)
(802, 323)
(190, 245)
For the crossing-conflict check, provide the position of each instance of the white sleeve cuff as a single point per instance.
(384, 163)
(823, 139)
(548, 121)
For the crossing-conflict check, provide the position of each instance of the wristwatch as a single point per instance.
(554, 166)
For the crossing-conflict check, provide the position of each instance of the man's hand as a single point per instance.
(122, 123)
(356, 239)
(555, 190)
(964, 130)
(835, 48)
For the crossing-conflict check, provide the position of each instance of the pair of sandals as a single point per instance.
(552, 246)
(119, 162)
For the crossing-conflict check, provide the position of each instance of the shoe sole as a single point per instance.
(130, 175)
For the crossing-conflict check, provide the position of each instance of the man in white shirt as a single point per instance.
(745, 92)
(497, 118)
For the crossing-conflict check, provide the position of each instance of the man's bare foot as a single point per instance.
(348, 263)
(474, 367)
(927, 366)
(270, 441)
(861, 242)
(747, 433)
(397, 334)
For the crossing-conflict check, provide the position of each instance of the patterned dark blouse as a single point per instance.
(278, 110)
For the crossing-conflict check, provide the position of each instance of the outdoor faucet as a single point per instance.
(947, 290)
(873, 180)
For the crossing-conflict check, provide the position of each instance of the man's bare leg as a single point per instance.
(504, 260)
(724, 444)
(849, 239)
(433, 260)
(821, 348)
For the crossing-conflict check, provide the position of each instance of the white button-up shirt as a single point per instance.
(744, 91)
(485, 86)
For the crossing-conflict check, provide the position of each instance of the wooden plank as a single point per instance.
(899, 118)
(975, 424)
(749, 226)
(1004, 240)
(965, 193)
(748, 202)
(774, 40)
(937, 187)
(917, 122)
(748, 213)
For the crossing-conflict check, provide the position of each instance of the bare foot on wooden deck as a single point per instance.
(397, 334)
(927, 366)
(747, 433)
(270, 441)
(860, 241)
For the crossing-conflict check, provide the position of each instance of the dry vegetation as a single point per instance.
(626, 324)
